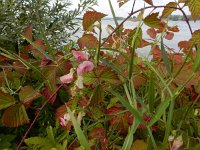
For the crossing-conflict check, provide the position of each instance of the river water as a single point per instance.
(182, 35)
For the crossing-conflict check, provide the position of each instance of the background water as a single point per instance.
(182, 35)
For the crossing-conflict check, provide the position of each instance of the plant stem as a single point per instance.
(37, 115)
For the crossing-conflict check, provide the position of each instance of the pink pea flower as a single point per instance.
(68, 78)
(80, 56)
(85, 67)
(178, 142)
(62, 121)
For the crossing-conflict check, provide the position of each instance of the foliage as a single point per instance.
(98, 93)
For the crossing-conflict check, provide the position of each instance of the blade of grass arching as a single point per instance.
(126, 104)
(133, 47)
(160, 111)
(81, 137)
(27, 64)
(113, 14)
(129, 138)
(165, 58)
(151, 93)
(197, 60)
(159, 76)
(38, 48)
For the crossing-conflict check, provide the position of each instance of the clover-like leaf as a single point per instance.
(87, 41)
(6, 100)
(153, 21)
(90, 17)
(15, 116)
(194, 6)
(167, 10)
(28, 94)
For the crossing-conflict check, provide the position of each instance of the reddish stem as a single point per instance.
(37, 115)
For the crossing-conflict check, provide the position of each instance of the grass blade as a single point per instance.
(125, 103)
(165, 59)
(81, 137)
(129, 138)
(197, 60)
(160, 111)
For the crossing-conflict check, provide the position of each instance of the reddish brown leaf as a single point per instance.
(184, 45)
(48, 95)
(178, 58)
(121, 121)
(167, 11)
(27, 94)
(173, 29)
(156, 52)
(150, 2)
(184, 75)
(99, 134)
(152, 33)
(28, 32)
(122, 2)
(169, 35)
(143, 43)
(34, 51)
(19, 67)
(88, 41)
(15, 116)
(90, 17)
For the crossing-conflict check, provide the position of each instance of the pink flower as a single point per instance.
(80, 56)
(85, 67)
(62, 121)
(178, 142)
(67, 78)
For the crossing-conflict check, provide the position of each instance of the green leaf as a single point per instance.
(139, 145)
(6, 100)
(167, 11)
(15, 116)
(153, 21)
(194, 6)
(160, 111)
(81, 137)
(89, 78)
(137, 35)
(27, 93)
(195, 40)
(165, 58)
